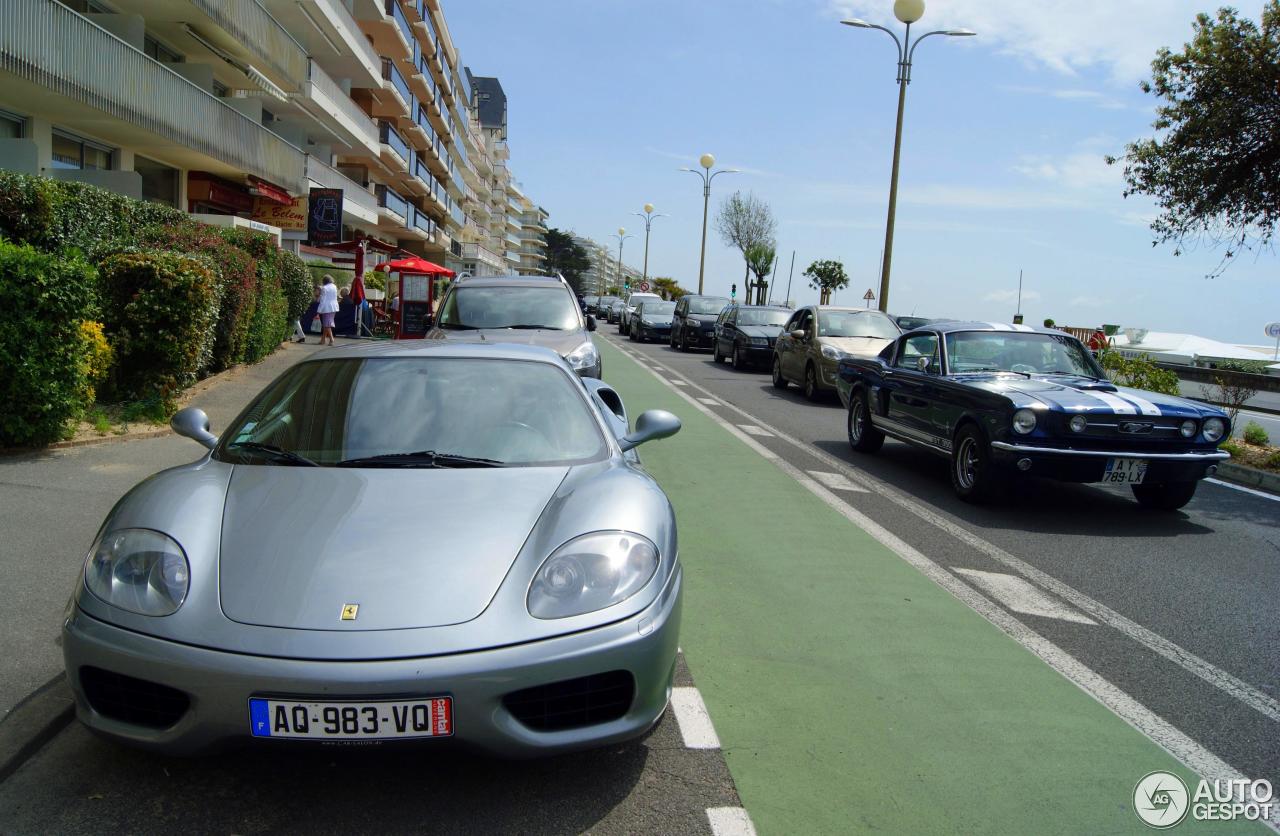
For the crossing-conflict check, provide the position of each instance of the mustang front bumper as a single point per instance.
(1091, 465)
(219, 683)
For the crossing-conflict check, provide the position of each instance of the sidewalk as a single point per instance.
(851, 693)
(52, 502)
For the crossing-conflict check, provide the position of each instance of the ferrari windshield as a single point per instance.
(417, 412)
(1011, 351)
(707, 305)
(763, 316)
(856, 324)
(551, 308)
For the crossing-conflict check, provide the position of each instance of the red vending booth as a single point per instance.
(417, 280)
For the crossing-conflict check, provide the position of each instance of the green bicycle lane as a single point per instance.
(851, 693)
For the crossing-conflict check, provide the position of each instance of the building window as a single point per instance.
(12, 126)
(159, 181)
(160, 52)
(70, 151)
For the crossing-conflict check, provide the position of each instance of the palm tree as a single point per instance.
(760, 258)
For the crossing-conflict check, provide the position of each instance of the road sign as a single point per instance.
(868, 295)
(1273, 330)
(644, 287)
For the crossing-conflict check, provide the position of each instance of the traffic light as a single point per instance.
(733, 292)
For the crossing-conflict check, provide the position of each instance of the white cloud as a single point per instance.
(1088, 302)
(1077, 170)
(1010, 296)
(1093, 97)
(1065, 35)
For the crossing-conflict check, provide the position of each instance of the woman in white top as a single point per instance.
(327, 308)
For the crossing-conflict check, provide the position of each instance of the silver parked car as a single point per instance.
(394, 541)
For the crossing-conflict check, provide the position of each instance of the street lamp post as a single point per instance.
(907, 11)
(622, 236)
(707, 175)
(649, 218)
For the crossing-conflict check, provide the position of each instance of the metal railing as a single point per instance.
(402, 23)
(391, 137)
(422, 221)
(391, 74)
(352, 192)
(388, 199)
(254, 27)
(356, 39)
(46, 43)
(331, 90)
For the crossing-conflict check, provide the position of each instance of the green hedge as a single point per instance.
(43, 377)
(159, 309)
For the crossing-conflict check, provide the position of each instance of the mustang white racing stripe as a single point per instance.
(1147, 407)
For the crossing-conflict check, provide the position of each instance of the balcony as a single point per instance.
(54, 60)
(356, 199)
(393, 210)
(395, 151)
(328, 32)
(390, 32)
(328, 103)
(263, 38)
(395, 100)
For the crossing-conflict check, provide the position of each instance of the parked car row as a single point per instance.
(997, 400)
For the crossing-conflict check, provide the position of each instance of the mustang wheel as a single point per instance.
(779, 382)
(811, 382)
(863, 437)
(972, 473)
(1164, 496)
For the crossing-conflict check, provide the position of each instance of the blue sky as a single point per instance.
(1002, 165)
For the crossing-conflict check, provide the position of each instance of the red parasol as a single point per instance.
(415, 264)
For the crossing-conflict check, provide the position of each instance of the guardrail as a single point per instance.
(46, 43)
(252, 25)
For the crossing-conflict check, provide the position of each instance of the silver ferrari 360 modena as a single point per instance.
(394, 541)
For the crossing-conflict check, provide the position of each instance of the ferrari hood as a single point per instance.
(409, 547)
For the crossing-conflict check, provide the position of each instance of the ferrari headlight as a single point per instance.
(138, 570)
(590, 573)
(830, 352)
(1024, 421)
(1214, 429)
(584, 356)
(1188, 428)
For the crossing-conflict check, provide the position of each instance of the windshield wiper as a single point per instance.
(278, 453)
(994, 369)
(1085, 375)
(422, 458)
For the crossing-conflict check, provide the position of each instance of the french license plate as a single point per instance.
(1125, 471)
(385, 720)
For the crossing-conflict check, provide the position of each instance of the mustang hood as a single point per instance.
(1084, 394)
(411, 547)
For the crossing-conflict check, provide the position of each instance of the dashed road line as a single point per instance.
(752, 429)
(1020, 596)
(692, 718)
(709, 401)
(730, 821)
(677, 382)
(836, 481)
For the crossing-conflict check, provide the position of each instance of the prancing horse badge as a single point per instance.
(349, 611)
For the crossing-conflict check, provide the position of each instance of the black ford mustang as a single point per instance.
(1005, 399)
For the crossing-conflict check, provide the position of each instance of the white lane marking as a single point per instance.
(709, 401)
(679, 383)
(836, 481)
(693, 719)
(1217, 677)
(1262, 494)
(1192, 755)
(659, 369)
(730, 821)
(1020, 596)
(752, 429)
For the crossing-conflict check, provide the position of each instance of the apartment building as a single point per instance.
(605, 270)
(533, 242)
(234, 110)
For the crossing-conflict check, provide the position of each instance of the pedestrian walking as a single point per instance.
(327, 309)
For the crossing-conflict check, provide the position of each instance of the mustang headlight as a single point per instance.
(1024, 421)
(590, 573)
(138, 570)
(830, 352)
(1188, 428)
(1214, 429)
(1079, 423)
(584, 356)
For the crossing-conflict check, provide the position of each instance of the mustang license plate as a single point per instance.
(1125, 471)
(388, 720)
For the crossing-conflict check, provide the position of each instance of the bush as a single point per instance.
(295, 281)
(43, 381)
(1139, 373)
(1255, 434)
(1231, 447)
(159, 310)
(96, 359)
(1273, 461)
(269, 327)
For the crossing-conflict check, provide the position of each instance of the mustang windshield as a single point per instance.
(707, 305)
(549, 307)
(416, 412)
(856, 324)
(1009, 351)
(763, 317)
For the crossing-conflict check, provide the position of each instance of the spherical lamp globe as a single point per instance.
(707, 161)
(908, 11)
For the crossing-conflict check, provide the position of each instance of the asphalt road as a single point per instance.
(1176, 611)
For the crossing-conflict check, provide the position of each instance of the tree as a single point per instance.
(744, 221)
(1232, 387)
(826, 277)
(667, 287)
(567, 258)
(1213, 167)
(760, 258)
